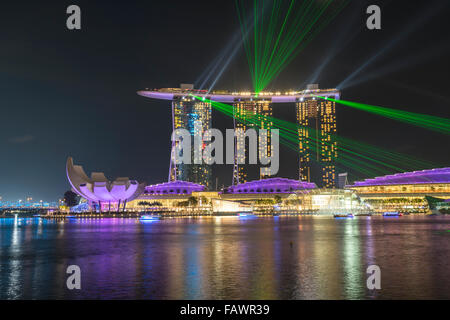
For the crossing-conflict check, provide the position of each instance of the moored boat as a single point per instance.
(363, 215)
(391, 214)
(246, 215)
(147, 217)
(344, 215)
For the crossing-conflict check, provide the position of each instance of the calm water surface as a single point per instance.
(226, 258)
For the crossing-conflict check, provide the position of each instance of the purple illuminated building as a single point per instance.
(433, 176)
(174, 188)
(271, 185)
(99, 191)
(406, 192)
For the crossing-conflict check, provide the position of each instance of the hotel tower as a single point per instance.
(317, 139)
(186, 111)
(316, 117)
(250, 114)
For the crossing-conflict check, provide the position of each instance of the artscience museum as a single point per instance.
(102, 194)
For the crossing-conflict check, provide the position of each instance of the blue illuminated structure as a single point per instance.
(149, 218)
(19, 204)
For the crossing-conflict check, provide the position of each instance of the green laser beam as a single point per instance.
(281, 33)
(350, 151)
(433, 123)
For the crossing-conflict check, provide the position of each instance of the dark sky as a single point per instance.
(73, 93)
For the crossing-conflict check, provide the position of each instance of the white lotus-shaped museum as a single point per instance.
(98, 189)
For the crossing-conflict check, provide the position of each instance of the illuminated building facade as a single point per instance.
(260, 197)
(186, 111)
(270, 186)
(256, 114)
(254, 111)
(404, 191)
(317, 144)
(101, 193)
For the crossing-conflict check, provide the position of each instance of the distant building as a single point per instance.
(342, 180)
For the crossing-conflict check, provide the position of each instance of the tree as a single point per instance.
(143, 204)
(277, 199)
(203, 200)
(71, 199)
(265, 202)
(193, 201)
(146, 204)
(182, 203)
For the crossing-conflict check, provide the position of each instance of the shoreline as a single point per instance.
(138, 215)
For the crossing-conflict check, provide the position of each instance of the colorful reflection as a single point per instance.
(225, 258)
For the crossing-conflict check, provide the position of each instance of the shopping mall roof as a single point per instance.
(271, 185)
(441, 175)
(173, 188)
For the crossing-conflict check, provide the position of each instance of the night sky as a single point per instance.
(73, 93)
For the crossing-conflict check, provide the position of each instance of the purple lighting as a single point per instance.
(98, 189)
(230, 97)
(416, 177)
(272, 185)
(174, 187)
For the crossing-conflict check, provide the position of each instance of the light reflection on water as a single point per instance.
(225, 258)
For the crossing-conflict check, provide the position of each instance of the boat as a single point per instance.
(147, 217)
(363, 215)
(344, 215)
(391, 214)
(246, 215)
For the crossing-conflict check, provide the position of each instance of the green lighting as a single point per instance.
(365, 158)
(434, 123)
(279, 30)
